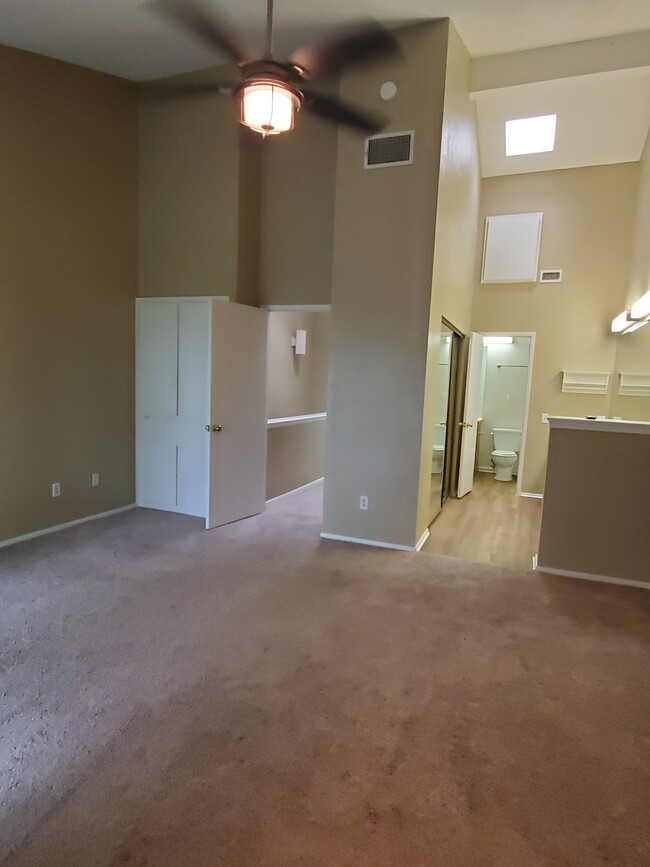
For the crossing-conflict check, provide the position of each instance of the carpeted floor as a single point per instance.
(253, 696)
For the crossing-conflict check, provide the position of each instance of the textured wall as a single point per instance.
(383, 255)
(588, 227)
(68, 262)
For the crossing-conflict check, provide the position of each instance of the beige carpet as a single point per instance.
(254, 696)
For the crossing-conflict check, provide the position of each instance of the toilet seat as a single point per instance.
(504, 453)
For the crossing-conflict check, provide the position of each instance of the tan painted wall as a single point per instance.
(633, 350)
(381, 291)
(198, 197)
(295, 456)
(297, 384)
(455, 243)
(67, 283)
(588, 227)
(594, 522)
(297, 214)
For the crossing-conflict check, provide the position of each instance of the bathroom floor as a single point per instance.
(490, 525)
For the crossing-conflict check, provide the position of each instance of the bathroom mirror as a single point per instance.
(632, 356)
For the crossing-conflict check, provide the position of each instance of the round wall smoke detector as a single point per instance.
(388, 91)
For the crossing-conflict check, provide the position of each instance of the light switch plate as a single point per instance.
(545, 418)
(94, 479)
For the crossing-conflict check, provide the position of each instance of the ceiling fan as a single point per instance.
(271, 91)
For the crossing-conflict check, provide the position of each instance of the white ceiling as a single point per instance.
(601, 119)
(119, 37)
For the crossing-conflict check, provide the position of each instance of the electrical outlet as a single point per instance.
(56, 489)
(94, 479)
(363, 503)
(545, 418)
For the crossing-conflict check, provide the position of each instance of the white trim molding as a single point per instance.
(423, 539)
(373, 544)
(55, 529)
(531, 496)
(605, 425)
(587, 576)
(295, 490)
(296, 419)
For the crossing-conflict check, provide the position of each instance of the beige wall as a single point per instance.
(68, 265)
(588, 227)
(455, 242)
(297, 384)
(633, 350)
(639, 279)
(198, 197)
(594, 522)
(381, 297)
(295, 456)
(297, 214)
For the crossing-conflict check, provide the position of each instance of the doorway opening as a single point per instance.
(485, 518)
(296, 396)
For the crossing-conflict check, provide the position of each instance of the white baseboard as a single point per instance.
(423, 539)
(487, 470)
(373, 544)
(587, 576)
(294, 490)
(48, 530)
(532, 496)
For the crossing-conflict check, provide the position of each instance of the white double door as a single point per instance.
(201, 408)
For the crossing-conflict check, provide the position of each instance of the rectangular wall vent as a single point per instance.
(551, 276)
(389, 149)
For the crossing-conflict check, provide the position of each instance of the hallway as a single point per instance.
(490, 525)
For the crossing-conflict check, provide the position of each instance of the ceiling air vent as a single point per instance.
(389, 149)
(551, 276)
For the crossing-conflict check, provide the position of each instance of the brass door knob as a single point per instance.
(215, 428)
(465, 424)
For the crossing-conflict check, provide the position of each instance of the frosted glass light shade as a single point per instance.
(496, 339)
(267, 107)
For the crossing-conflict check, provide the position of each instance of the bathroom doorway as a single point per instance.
(493, 523)
(506, 376)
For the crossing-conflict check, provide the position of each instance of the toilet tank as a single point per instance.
(507, 439)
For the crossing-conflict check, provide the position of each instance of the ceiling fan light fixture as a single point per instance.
(268, 107)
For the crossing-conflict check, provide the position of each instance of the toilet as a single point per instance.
(438, 456)
(507, 443)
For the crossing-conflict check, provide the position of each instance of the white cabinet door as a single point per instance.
(238, 407)
(470, 416)
(172, 390)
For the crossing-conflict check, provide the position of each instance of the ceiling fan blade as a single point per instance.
(204, 22)
(157, 92)
(362, 43)
(338, 112)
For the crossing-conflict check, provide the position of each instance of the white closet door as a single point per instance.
(172, 385)
(238, 408)
(471, 414)
(156, 404)
(193, 406)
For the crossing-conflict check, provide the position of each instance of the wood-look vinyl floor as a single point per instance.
(489, 525)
